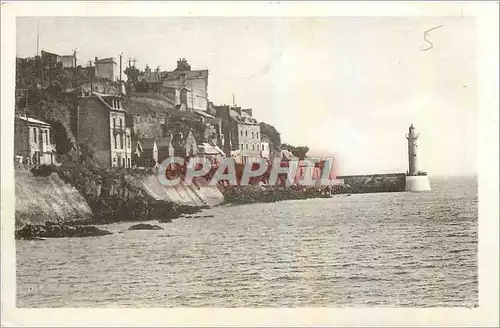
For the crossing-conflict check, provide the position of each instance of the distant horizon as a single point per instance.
(347, 87)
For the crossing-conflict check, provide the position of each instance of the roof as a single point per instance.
(101, 97)
(163, 142)
(147, 143)
(286, 154)
(106, 60)
(190, 75)
(243, 118)
(43, 52)
(32, 120)
(209, 149)
(203, 113)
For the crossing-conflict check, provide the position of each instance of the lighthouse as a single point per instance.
(416, 180)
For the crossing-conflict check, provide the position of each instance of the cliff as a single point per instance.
(41, 199)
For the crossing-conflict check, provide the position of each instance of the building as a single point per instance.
(165, 148)
(106, 68)
(67, 61)
(210, 151)
(265, 150)
(32, 141)
(186, 86)
(100, 125)
(145, 152)
(51, 60)
(241, 132)
(183, 141)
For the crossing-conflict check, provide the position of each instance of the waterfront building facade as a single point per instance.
(241, 132)
(33, 141)
(101, 126)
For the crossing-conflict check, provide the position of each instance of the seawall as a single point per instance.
(136, 195)
(371, 183)
(41, 199)
(199, 193)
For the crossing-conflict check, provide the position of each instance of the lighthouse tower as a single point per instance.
(416, 180)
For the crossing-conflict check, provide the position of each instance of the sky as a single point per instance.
(344, 87)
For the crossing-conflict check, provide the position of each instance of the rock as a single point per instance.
(144, 226)
(52, 230)
(165, 220)
(208, 216)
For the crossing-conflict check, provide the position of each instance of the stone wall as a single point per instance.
(41, 199)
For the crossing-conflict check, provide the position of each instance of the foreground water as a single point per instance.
(393, 249)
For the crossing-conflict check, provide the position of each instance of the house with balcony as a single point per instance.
(33, 141)
(100, 126)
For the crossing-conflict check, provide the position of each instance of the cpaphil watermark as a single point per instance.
(306, 172)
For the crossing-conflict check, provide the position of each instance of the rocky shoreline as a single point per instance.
(271, 194)
(53, 230)
(115, 196)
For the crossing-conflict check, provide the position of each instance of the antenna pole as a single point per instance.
(121, 55)
(37, 37)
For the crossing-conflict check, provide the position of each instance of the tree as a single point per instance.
(132, 74)
(273, 135)
(299, 151)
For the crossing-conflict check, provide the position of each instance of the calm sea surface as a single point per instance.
(393, 249)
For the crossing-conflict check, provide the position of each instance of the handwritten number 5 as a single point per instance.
(426, 40)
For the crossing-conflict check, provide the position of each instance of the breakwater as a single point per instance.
(373, 183)
(270, 194)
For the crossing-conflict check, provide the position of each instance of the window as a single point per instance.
(262, 147)
(123, 162)
(121, 142)
(129, 165)
(253, 147)
(241, 147)
(241, 133)
(252, 134)
(246, 133)
(46, 137)
(34, 134)
(116, 146)
(247, 146)
(114, 159)
(257, 135)
(120, 123)
(114, 122)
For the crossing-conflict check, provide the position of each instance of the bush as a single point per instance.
(44, 170)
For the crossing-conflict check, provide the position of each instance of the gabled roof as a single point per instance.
(101, 97)
(32, 120)
(209, 149)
